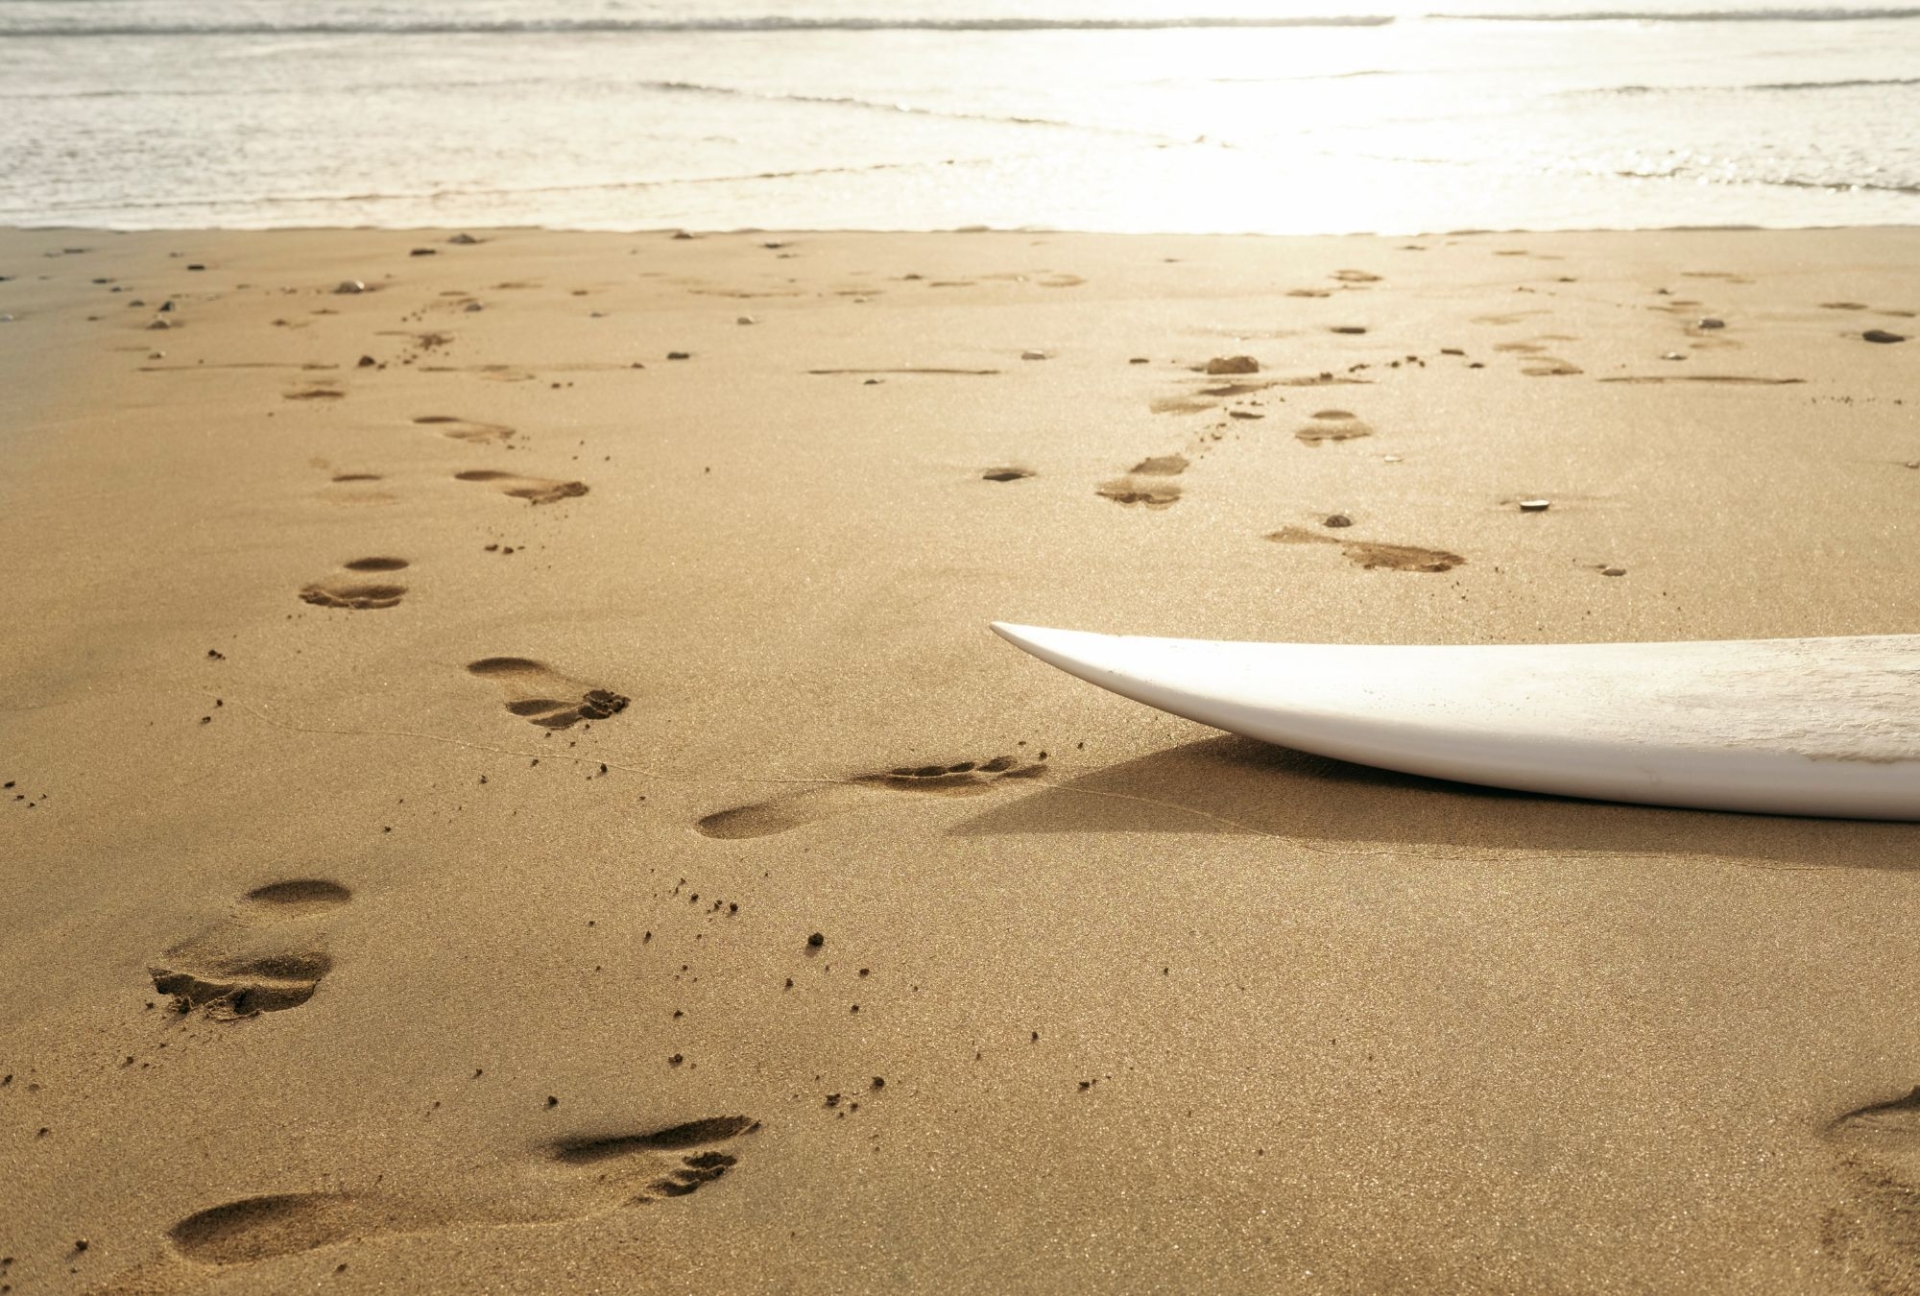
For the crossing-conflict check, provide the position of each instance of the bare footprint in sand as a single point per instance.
(535, 490)
(1332, 425)
(1145, 484)
(538, 693)
(468, 430)
(1370, 554)
(568, 1179)
(793, 809)
(1876, 1234)
(354, 591)
(265, 957)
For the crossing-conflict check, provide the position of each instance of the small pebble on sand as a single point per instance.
(1240, 364)
(1711, 323)
(1535, 505)
(1337, 520)
(1881, 335)
(351, 286)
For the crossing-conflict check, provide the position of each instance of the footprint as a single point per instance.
(535, 490)
(1877, 1233)
(354, 593)
(1551, 367)
(261, 959)
(468, 430)
(1129, 490)
(793, 809)
(1332, 425)
(544, 696)
(571, 1178)
(1370, 554)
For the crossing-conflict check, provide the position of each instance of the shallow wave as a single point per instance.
(269, 201)
(1689, 16)
(882, 105)
(400, 26)
(1777, 182)
(1852, 83)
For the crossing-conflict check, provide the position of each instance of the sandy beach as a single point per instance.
(509, 788)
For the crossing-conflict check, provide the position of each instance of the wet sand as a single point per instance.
(435, 722)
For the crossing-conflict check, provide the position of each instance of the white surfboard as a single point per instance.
(1773, 726)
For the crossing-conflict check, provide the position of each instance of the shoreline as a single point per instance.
(471, 738)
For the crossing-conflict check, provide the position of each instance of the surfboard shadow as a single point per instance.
(1237, 785)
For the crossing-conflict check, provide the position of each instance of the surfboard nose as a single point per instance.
(1055, 647)
(1091, 656)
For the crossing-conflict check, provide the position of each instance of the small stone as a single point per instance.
(1673, 355)
(1138, 360)
(681, 234)
(166, 308)
(679, 355)
(1613, 571)
(746, 319)
(463, 240)
(367, 362)
(423, 252)
(1034, 355)
(879, 1082)
(351, 286)
(1881, 335)
(473, 308)
(1349, 329)
(1535, 505)
(1338, 520)
(1711, 323)
(159, 324)
(676, 1059)
(1240, 364)
(196, 266)
(816, 940)
(552, 1101)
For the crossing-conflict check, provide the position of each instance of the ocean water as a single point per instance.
(1290, 116)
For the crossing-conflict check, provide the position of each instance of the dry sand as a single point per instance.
(357, 937)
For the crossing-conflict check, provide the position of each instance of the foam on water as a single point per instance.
(1218, 115)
